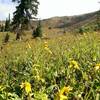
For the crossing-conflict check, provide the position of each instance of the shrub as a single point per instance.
(6, 38)
(81, 30)
(37, 32)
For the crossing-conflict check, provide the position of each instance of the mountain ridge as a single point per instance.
(68, 21)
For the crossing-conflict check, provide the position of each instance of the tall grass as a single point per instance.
(49, 66)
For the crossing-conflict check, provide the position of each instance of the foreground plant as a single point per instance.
(97, 67)
(62, 94)
(27, 87)
(73, 64)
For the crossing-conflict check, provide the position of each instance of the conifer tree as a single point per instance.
(7, 24)
(25, 11)
(37, 32)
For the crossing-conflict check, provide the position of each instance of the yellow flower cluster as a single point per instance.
(73, 64)
(49, 51)
(46, 44)
(61, 95)
(47, 48)
(97, 66)
(26, 86)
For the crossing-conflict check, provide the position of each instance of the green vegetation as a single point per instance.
(38, 31)
(8, 24)
(62, 65)
(66, 66)
(6, 38)
(2, 28)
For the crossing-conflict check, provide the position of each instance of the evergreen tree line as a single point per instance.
(7, 26)
(26, 11)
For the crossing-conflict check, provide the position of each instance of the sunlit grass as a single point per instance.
(49, 65)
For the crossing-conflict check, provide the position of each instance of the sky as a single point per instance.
(51, 8)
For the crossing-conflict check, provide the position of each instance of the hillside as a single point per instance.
(69, 21)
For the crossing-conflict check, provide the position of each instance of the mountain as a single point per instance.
(67, 22)
(70, 22)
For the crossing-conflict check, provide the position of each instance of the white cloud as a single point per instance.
(5, 9)
(49, 8)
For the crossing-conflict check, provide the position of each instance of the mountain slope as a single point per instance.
(70, 22)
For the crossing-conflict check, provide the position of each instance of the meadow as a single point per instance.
(64, 67)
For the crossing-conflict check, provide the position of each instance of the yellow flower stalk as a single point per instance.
(73, 64)
(97, 67)
(47, 49)
(62, 93)
(26, 86)
(45, 44)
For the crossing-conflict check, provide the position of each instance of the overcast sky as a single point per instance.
(50, 8)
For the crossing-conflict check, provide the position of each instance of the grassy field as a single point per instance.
(65, 67)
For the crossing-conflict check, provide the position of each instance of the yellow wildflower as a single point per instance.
(45, 44)
(26, 86)
(47, 49)
(63, 97)
(73, 64)
(65, 90)
(97, 67)
(62, 93)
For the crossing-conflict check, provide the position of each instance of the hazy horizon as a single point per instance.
(53, 8)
